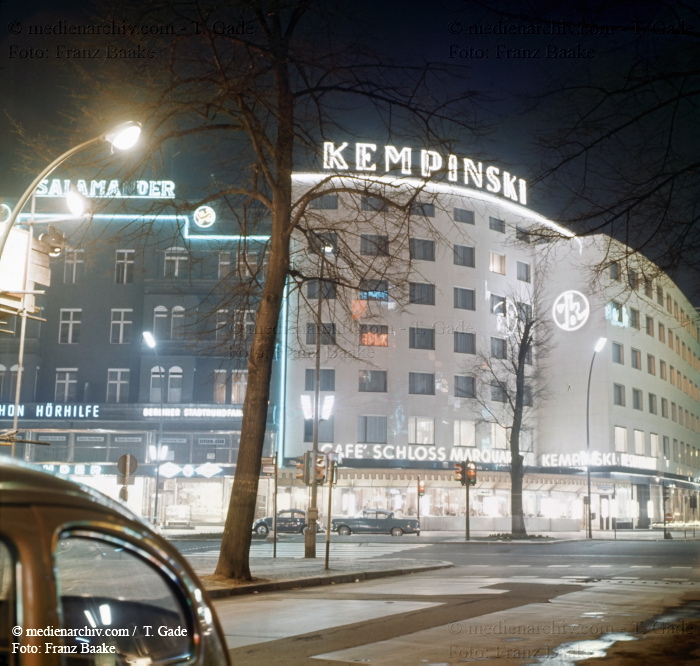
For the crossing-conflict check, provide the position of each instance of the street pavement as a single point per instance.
(399, 610)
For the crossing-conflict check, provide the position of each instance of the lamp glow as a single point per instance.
(149, 339)
(76, 203)
(327, 407)
(124, 136)
(600, 344)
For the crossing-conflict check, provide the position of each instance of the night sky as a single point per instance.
(506, 63)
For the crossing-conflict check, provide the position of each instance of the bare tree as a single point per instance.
(510, 378)
(250, 90)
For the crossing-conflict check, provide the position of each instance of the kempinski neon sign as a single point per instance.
(137, 189)
(365, 158)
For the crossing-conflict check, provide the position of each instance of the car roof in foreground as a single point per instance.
(21, 483)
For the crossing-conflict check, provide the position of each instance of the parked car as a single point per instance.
(289, 521)
(375, 521)
(79, 565)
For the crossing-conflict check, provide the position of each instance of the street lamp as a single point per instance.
(157, 451)
(312, 517)
(122, 137)
(598, 347)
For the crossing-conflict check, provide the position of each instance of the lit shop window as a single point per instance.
(374, 335)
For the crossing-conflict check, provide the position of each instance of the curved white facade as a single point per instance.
(403, 369)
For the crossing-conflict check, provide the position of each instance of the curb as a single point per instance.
(318, 581)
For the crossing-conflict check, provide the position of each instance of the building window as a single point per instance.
(326, 379)
(239, 384)
(499, 436)
(421, 383)
(660, 295)
(637, 399)
(464, 343)
(324, 202)
(498, 392)
(117, 385)
(325, 430)
(327, 334)
(618, 353)
(247, 265)
(421, 338)
(120, 327)
(424, 209)
(662, 333)
(639, 442)
(464, 216)
(156, 387)
(636, 359)
(422, 250)
(374, 246)
(66, 385)
(632, 279)
(497, 225)
(527, 396)
(220, 386)
(177, 323)
(615, 271)
(161, 324)
(69, 326)
(652, 403)
(497, 263)
(175, 264)
(654, 445)
(662, 370)
(371, 429)
(421, 430)
(373, 204)
(224, 265)
(312, 289)
(648, 289)
(667, 453)
(175, 384)
(124, 266)
(374, 290)
(465, 386)
(374, 335)
(74, 266)
(522, 235)
(650, 326)
(634, 318)
(464, 255)
(617, 314)
(464, 299)
(421, 293)
(651, 364)
(499, 348)
(465, 433)
(372, 381)
(620, 439)
(523, 271)
(498, 305)
(619, 395)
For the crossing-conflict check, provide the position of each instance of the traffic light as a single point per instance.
(461, 473)
(421, 488)
(320, 469)
(471, 473)
(303, 466)
(666, 495)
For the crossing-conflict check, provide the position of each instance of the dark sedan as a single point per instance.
(375, 521)
(290, 521)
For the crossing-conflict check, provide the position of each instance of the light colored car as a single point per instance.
(375, 521)
(82, 576)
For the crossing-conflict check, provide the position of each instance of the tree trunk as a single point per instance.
(516, 496)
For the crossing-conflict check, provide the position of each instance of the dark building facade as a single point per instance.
(93, 390)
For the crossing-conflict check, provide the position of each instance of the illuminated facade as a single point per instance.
(410, 398)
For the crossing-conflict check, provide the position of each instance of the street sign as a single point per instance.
(127, 464)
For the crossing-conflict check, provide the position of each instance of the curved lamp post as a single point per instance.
(122, 137)
(598, 347)
(151, 342)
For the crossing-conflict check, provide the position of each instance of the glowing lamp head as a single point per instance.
(600, 344)
(149, 339)
(76, 203)
(124, 136)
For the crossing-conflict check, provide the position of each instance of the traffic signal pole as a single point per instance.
(466, 520)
